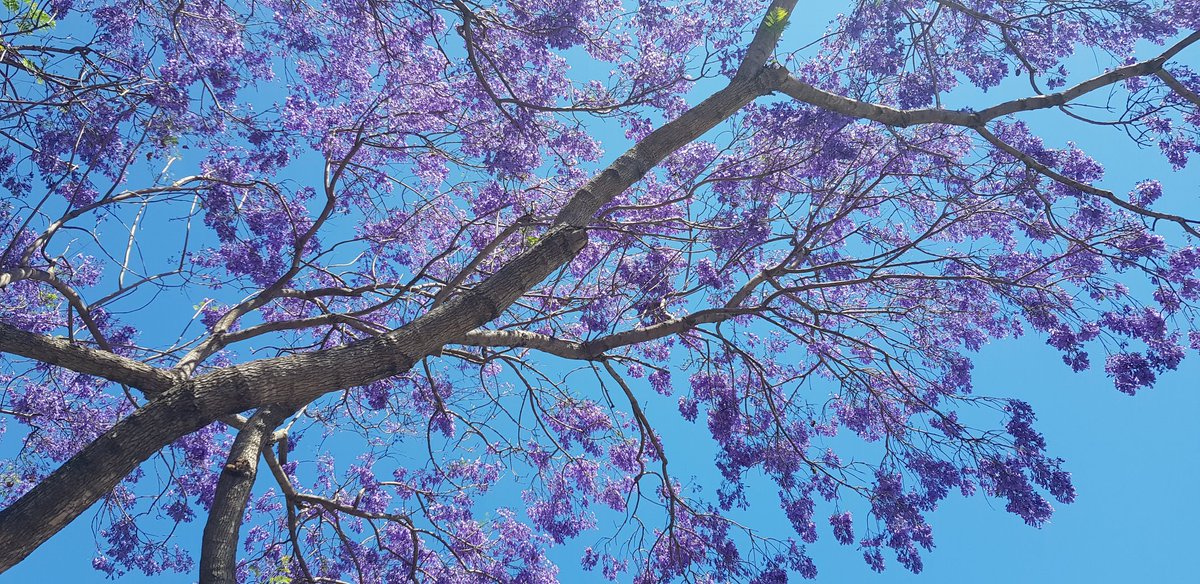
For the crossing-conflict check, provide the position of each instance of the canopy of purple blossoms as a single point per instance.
(204, 184)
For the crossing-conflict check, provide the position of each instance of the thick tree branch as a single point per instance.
(567, 349)
(645, 155)
(87, 476)
(766, 37)
(218, 552)
(62, 353)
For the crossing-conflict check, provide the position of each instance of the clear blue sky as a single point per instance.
(1135, 460)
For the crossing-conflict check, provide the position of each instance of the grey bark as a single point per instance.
(219, 544)
(81, 359)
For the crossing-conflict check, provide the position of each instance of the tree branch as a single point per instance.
(595, 349)
(483, 254)
(218, 551)
(1052, 174)
(766, 38)
(1178, 87)
(62, 353)
(801, 91)
(73, 298)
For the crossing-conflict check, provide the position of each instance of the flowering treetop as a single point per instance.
(400, 252)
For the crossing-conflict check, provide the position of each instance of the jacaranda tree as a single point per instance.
(376, 290)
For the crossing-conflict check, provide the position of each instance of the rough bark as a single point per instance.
(87, 476)
(81, 359)
(218, 551)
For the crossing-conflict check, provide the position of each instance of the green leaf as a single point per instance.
(281, 579)
(30, 18)
(776, 18)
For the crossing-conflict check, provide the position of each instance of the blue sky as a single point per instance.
(1135, 460)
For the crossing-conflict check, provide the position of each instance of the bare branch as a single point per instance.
(595, 349)
(80, 359)
(1178, 87)
(801, 91)
(1186, 224)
